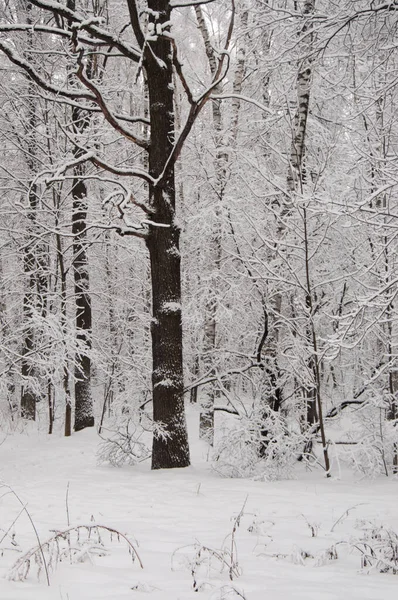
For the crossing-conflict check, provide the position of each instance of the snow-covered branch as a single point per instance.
(90, 26)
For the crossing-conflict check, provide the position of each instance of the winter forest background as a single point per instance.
(255, 143)
(198, 235)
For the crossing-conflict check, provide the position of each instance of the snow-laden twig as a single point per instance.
(40, 557)
(50, 552)
(259, 105)
(177, 4)
(345, 514)
(233, 567)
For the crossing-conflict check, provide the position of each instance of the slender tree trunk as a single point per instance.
(295, 184)
(313, 365)
(210, 342)
(193, 394)
(35, 299)
(112, 379)
(170, 441)
(387, 273)
(83, 399)
(50, 401)
(296, 181)
(273, 393)
(9, 372)
(376, 135)
(65, 374)
(29, 396)
(28, 393)
(295, 176)
(392, 413)
(206, 421)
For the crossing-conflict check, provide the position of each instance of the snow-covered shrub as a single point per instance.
(124, 443)
(261, 445)
(203, 561)
(373, 443)
(75, 544)
(8, 405)
(378, 547)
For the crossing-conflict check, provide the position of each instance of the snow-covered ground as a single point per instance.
(174, 516)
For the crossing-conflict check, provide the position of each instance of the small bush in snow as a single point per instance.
(202, 561)
(376, 441)
(75, 544)
(378, 548)
(124, 444)
(261, 445)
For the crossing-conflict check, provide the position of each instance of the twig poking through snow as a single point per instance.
(39, 549)
(345, 514)
(67, 504)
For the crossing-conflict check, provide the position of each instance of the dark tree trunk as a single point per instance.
(310, 393)
(65, 375)
(83, 399)
(28, 396)
(193, 394)
(50, 400)
(392, 412)
(170, 445)
(170, 448)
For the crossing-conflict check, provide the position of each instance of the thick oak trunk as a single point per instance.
(170, 441)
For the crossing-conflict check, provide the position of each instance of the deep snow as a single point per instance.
(168, 512)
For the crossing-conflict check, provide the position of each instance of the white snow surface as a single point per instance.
(165, 513)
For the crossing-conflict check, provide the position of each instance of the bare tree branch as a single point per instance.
(104, 108)
(90, 26)
(198, 104)
(135, 23)
(185, 4)
(37, 78)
